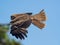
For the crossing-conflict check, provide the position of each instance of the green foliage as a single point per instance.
(4, 39)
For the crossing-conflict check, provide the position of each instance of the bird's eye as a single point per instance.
(13, 17)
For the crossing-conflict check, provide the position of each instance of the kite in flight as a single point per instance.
(20, 22)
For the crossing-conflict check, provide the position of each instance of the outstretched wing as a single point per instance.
(19, 25)
(18, 32)
(29, 13)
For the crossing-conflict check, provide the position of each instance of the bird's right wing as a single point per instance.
(18, 32)
(19, 20)
(16, 29)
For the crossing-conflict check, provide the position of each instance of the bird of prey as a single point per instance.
(20, 22)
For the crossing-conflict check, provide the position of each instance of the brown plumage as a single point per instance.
(20, 22)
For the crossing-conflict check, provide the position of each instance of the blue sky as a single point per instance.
(50, 35)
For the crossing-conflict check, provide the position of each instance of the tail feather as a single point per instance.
(41, 16)
(38, 24)
(38, 18)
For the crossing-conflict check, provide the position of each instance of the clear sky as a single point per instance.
(50, 35)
